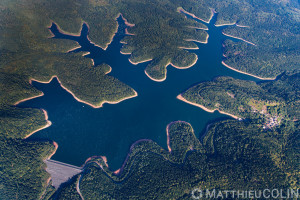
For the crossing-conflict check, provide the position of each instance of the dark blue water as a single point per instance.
(82, 131)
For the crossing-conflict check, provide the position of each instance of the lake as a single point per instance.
(82, 131)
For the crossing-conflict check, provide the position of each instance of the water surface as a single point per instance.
(82, 131)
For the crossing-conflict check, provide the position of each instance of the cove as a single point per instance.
(82, 131)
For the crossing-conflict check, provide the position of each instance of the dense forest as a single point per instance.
(273, 26)
(162, 34)
(23, 174)
(233, 154)
(276, 100)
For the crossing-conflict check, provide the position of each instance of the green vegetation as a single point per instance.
(26, 52)
(23, 174)
(18, 123)
(183, 132)
(159, 35)
(68, 190)
(273, 102)
(33, 55)
(234, 154)
(272, 25)
(48, 192)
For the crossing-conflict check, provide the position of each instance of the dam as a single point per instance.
(61, 172)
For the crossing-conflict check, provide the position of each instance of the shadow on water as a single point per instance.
(82, 131)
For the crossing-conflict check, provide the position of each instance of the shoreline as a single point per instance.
(66, 32)
(229, 24)
(212, 13)
(48, 158)
(136, 63)
(76, 98)
(265, 79)
(88, 53)
(126, 21)
(48, 27)
(180, 97)
(104, 160)
(170, 63)
(186, 67)
(74, 34)
(29, 98)
(110, 39)
(79, 33)
(56, 147)
(48, 124)
(168, 137)
(204, 108)
(125, 53)
(110, 69)
(115, 32)
(73, 49)
(189, 48)
(239, 39)
(180, 9)
(242, 26)
(129, 154)
(198, 41)
(127, 32)
(120, 170)
(116, 172)
(206, 40)
(156, 80)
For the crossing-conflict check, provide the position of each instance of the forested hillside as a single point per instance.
(163, 35)
(274, 103)
(233, 154)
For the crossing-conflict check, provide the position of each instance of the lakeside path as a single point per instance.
(180, 97)
(78, 187)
